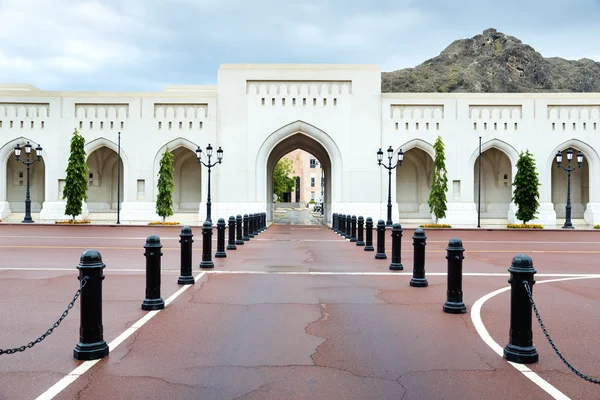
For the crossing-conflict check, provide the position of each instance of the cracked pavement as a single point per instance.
(269, 336)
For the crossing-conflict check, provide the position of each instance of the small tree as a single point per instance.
(439, 187)
(164, 199)
(282, 182)
(526, 193)
(76, 183)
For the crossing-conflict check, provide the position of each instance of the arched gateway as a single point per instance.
(299, 135)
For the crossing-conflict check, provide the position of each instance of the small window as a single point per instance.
(322, 181)
(313, 162)
(314, 102)
(553, 126)
(262, 101)
(80, 124)
(294, 102)
(406, 126)
(485, 126)
(396, 126)
(159, 125)
(475, 126)
(32, 125)
(170, 124)
(42, 124)
(495, 126)
(312, 195)
(426, 126)
(334, 102)
(180, 124)
(112, 125)
(324, 102)
(417, 126)
(200, 125)
(304, 101)
(312, 181)
(273, 101)
(122, 124)
(437, 126)
(283, 102)
(91, 124)
(21, 124)
(516, 126)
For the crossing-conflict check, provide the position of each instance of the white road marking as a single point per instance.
(86, 365)
(487, 338)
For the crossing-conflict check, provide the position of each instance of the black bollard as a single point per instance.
(342, 225)
(256, 224)
(380, 255)
(455, 254)
(250, 226)
(153, 254)
(520, 348)
(419, 242)
(396, 264)
(348, 233)
(207, 246)
(264, 221)
(353, 232)
(360, 238)
(231, 234)
(185, 238)
(91, 344)
(369, 235)
(220, 239)
(246, 237)
(239, 230)
(334, 222)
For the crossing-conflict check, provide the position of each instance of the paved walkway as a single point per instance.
(295, 313)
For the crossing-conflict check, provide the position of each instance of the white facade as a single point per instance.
(259, 113)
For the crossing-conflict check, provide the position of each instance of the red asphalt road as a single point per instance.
(293, 336)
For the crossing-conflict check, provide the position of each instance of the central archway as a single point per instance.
(300, 135)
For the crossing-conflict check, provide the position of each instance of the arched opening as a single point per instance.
(413, 184)
(315, 158)
(580, 186)
(496, 183)
(187, 194)
(102, 180)
(16, 182)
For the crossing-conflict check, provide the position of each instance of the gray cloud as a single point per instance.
(143, 45)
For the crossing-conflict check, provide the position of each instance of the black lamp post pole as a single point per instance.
(479, 188)
(389, 167)
(28, 163)
(209, 166)
(119, 180)
(569, 169)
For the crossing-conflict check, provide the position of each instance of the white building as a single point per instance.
(258, 113)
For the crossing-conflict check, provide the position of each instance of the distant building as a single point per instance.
(310, 179)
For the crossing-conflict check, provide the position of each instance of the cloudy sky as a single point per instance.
(146, 44)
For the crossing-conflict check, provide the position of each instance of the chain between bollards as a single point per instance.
(52, 328)
(537, 314)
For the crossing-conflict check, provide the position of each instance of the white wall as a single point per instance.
(345, 113)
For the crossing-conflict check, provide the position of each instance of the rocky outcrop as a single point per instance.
(493, 62)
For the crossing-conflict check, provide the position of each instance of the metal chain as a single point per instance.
(56, 324)
(537, 314)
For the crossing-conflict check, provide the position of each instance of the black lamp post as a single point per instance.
(38, 153)
(208, 165)
(389, 167)
(569, 169)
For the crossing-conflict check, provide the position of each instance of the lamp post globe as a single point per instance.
(28, 162)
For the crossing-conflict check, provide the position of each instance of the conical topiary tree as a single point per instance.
(439, 187)
(76, 183)
(526, 193)
(164, 199)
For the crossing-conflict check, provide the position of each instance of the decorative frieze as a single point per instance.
(92, 116)
(574, 117)
(23, 115)
(416, 117)
(189, 116)
(299, 93)
(496, 112)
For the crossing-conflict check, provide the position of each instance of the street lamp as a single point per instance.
(38, 153)
(209, 151)
(559, 158)
(390, 153)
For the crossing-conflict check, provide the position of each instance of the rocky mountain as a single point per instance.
(493, 62)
